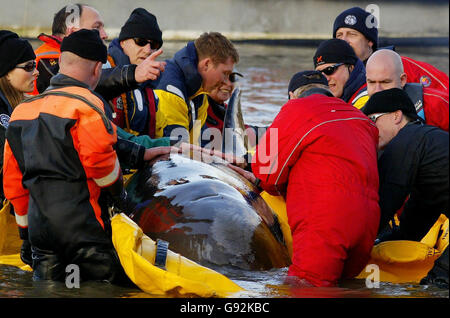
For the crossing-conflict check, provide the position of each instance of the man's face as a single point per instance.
(381, 76)
(215, 76)
(135, 51)
(223, 92)
(91, 19)
(360, 44)
(385, 123)
(337, 80)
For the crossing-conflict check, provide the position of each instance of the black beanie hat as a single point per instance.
(141, 24)
(334, 51)
(13, 51)
(306, 77)
(389, 101)
(357, 19)
(86, 44)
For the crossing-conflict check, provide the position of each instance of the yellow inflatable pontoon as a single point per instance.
(10, 241)
(398, 261)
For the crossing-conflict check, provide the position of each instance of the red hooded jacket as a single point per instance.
(320, 153)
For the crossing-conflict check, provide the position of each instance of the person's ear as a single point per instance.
(398, 117)
(291, 95)
(403, 79)
(98, 68)
(70, 30)
(205, 64)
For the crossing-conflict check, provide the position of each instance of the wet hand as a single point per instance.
(150, 69)
(246, 174)
(152, 153)
(239, 161)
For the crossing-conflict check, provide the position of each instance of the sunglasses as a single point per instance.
(233, 77)
(376, 116)
(331, 69)
(29, 67)
(143, 42)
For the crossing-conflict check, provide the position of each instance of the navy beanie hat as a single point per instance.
(306, 77)
(334, 51)
(86, 44)
(141, 24)
(389, 101)
(357, 18)
(13, 51)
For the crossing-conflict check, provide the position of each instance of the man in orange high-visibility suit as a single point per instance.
(59, 156)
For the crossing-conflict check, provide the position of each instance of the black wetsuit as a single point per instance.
(414, 163)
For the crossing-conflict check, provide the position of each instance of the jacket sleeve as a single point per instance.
(14, 190)
(116, 81)
(95, 148)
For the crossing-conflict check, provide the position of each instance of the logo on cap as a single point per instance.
(350, 20)
(425, 81)
(319, 59)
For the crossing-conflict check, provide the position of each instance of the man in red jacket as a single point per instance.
(384, 70)
(325, 166)
(351, 25)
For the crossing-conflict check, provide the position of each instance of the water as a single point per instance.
(267, 71)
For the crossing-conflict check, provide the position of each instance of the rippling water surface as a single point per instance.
(267, 70)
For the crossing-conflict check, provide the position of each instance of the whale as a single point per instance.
(206, 211)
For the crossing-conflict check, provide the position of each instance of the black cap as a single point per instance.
(334, 51)
(141, 24)
(86, 44)
(359, 20)
(306, 77)
(389, 101)
(13, 51)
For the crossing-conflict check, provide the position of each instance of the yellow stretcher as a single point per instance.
(398, 261)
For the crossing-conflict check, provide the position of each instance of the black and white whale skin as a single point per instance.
(207, 213)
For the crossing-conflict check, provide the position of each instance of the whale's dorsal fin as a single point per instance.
(234, 137)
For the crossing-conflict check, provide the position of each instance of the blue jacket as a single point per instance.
(355, 82)
(137, 118)
(177, 89)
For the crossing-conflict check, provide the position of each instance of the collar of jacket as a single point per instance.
(117, 53)
(316, 90)
(51, 40)
(355, 81)
(62, 80)
(187, 60)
